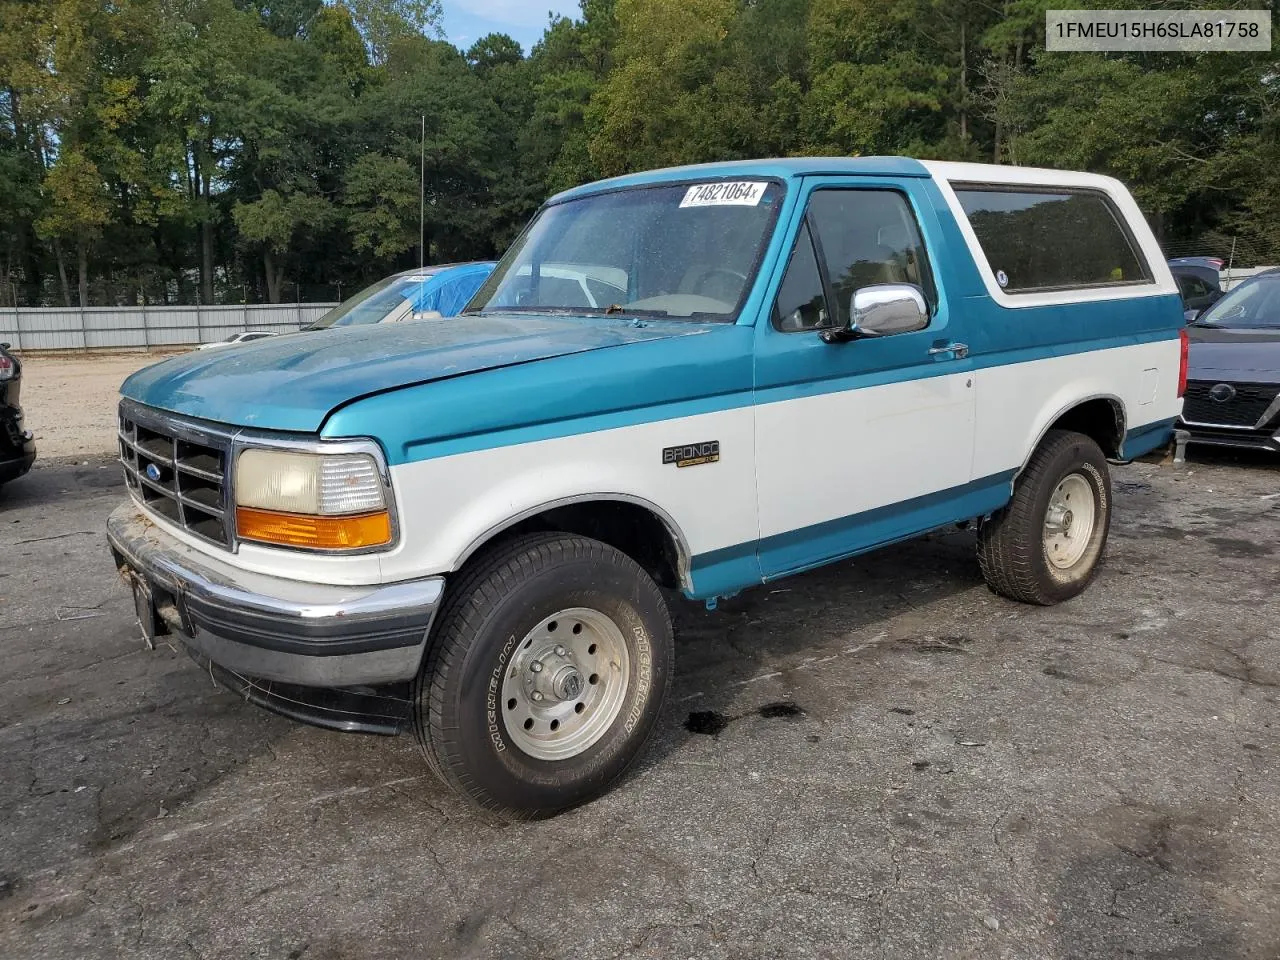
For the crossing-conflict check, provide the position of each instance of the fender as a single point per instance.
(683, 554)
(451, 505)
(1117, 406)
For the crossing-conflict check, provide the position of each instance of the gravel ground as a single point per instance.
(879, 759)
(70, 401)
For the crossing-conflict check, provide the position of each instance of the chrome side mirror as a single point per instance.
(882, 310)
(1190, 316)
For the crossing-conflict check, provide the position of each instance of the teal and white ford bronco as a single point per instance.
(701, 379)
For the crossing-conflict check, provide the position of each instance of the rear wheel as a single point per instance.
(1045, 546)
(545, 676)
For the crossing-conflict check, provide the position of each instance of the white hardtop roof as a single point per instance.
(1032, 176)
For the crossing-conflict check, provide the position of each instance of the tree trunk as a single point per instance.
(82, 250)
(62, 271)
(275, 277)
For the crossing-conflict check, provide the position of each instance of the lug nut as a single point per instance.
(536, 695)
(536, 666)
(559, 650)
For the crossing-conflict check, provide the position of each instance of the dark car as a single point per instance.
(1233, 377)
(17, 446)
(1199, 282)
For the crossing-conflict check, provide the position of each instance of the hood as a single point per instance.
(1252, 356)
(293, 382)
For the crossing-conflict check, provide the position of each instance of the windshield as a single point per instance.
(387, 300)
(686, 252)
(1254, 305)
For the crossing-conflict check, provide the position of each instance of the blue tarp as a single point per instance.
(448, 291)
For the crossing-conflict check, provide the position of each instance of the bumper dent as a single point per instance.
(271, 628)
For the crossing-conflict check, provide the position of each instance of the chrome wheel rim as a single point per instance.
(1069, 521)
(565, 684)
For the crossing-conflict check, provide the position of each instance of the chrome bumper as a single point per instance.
(259, 626)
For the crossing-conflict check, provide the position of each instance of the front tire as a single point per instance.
(545, 675)
(1045, 545)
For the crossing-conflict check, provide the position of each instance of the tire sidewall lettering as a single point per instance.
(492, 713)
(1099, 485)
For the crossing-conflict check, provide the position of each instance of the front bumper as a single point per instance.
(1224, 436)
(293, 647)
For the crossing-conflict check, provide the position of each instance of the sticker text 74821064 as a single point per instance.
(724, 193)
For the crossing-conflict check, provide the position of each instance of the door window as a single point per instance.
(802, 301)
(868, 237)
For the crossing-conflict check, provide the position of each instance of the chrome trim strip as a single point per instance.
(1269, 414)
(1218, 426)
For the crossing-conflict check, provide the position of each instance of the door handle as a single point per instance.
(957, 351)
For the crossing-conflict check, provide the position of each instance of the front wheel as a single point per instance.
(545, 675)
(1045, 546)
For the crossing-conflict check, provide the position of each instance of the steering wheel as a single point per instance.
(705, 277)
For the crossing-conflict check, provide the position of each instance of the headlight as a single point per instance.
(325, 501)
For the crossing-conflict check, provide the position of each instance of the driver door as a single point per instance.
(869, 441)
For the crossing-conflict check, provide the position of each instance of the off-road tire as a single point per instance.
(494, 602)
(1011, 544)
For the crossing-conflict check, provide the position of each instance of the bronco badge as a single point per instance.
(692, 454)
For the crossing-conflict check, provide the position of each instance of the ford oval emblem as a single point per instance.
(1222, 392)
(153, 472)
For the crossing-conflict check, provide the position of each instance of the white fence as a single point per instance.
(106, 328)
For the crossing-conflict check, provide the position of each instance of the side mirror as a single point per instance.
(1189, 316)
(882, 310)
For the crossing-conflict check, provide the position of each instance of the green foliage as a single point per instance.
(382, 194)
(213, 149)
(382, 22)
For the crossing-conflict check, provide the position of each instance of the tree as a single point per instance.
(381, 193)
(77, 209)
(181, 150)
(382, 22)
(273, 223)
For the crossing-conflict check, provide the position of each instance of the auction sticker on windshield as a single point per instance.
(737, 193)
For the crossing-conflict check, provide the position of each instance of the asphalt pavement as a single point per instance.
(880, 759)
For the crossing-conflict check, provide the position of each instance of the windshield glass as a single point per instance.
(1254, 305)
(386, 300)
(669, 251)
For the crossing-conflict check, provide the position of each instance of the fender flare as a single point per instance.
(1117, 404)
(684, 557)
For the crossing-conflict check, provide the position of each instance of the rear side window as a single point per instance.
(1051, 239)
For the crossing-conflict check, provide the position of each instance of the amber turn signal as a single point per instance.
(318, 533)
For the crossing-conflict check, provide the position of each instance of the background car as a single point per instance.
(17, 445)
(247, 336)
(1233, 379)
(431, 293)
(1199, 281)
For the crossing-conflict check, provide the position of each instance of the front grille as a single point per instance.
(1245, 409)
(177, 470)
